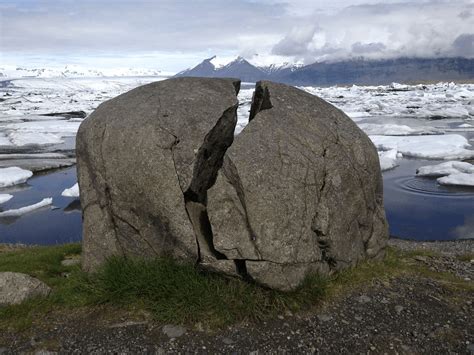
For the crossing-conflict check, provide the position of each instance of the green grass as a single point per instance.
(43, 263)
(170, 291)
(179, 293)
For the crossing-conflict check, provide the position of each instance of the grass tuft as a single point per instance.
(175, 292)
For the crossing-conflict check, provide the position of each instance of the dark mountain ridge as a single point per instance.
(355, 71)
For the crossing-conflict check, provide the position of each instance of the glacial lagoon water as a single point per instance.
(421, 209)
(417, 208)
(56, 224)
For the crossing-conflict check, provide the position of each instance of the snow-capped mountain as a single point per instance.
(355, 71)
(277, 68)
(69, 71)
(237, 68)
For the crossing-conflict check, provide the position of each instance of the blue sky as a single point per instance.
(172, 35)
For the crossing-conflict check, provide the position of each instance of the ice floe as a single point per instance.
(13, 176)
(447, 147)
(450, 173)
(5, 197)
(434, 101)
(461, 179)
(40, 132)
(447, 168)
(27, 209)
(388, 159)
(72, 191)
(34, 138)
(389, 129)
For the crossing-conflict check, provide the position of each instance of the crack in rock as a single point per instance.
(209, 160)
(260, 100)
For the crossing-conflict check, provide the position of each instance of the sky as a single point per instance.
(172, 35)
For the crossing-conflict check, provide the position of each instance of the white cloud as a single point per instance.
(424, 28)
(171, 34)
(463, 45)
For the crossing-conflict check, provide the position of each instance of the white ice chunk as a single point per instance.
(23, 210)
(452, 172)
(465, 125)
(30, 138)
(356, 115)
(5, 197)
(388, 159)
(4, 140)
(448, 168)
(63, 127)
(448, 146)
(32, 156)
(13, 176)
(72, 191)
(461, 179)
(394, 129)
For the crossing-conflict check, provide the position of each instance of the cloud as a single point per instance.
(295, 29)
(363, 48)
(463, 45)
(384, 30)
(466, 14)
(296, 42)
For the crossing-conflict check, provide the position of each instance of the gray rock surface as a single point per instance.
(173, 331)
(16, 288)
(70, 262)
(139, 154)
(298, 191)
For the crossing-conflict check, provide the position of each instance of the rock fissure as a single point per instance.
(260, 100)
(209, 160)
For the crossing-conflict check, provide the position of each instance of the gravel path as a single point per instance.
(447, 248)
(456, 257)
(400, 315)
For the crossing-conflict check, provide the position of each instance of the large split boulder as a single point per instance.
(298, 191)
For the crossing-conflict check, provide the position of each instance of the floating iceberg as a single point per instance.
(5, 197)
(448, 168)
(434, 101)
(23, 210)
(42, 132)
(72, 191)
(448, 146)
(34, 138)
(394, 129)
(388, 159)
(13, 176)
(451, 172)
(461, 179)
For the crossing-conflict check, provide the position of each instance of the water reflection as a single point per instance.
(49, 225)
(419, 208)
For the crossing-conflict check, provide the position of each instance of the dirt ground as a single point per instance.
(405, 314)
